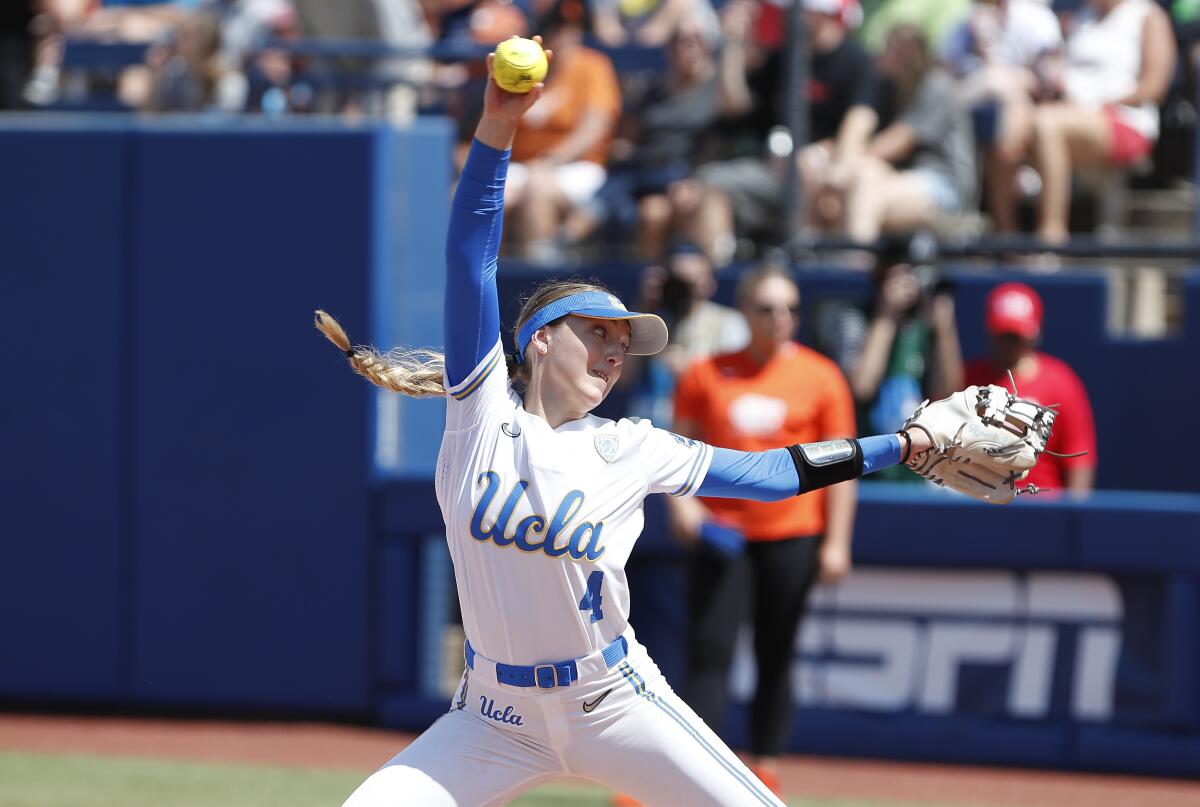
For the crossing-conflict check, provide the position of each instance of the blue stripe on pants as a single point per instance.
(639, 687)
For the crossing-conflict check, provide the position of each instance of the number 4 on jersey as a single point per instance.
(591, 601)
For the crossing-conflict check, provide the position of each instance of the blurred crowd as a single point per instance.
(668, 121)
(883, 356)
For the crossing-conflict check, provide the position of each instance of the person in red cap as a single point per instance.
(1014, 320)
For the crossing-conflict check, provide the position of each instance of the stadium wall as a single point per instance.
(185, 497)
(203, 510)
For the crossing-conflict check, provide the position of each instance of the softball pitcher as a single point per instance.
(542, 503)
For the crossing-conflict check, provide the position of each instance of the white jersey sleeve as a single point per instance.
(673, 464)
(485, 388)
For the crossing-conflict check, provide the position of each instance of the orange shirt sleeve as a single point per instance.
(689, 394)
(600, 92)
(837, 415)
(603, 91)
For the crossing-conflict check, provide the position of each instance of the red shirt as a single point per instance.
(798, 396)
(1051, 381)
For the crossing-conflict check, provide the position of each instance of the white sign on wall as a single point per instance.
(896, 640)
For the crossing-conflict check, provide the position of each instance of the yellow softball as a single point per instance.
(518, 64)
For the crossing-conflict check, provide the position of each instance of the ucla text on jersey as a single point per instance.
(583, 543)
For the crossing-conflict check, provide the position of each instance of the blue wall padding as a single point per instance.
(1153, 380)
(1111, 530)
(251, 506)
(398, 708)
(1112, 750)
(1183, 651)
(916, 737)
(411, 182)
(399, 589)
(186, 499)
(65, 536)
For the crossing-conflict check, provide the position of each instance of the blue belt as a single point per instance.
(548, 676)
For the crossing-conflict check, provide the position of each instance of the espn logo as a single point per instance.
(889, 641)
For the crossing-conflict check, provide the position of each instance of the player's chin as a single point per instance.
(596, 391)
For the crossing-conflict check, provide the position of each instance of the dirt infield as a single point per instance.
(329, 746)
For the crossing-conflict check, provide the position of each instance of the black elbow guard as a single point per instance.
(826, 463)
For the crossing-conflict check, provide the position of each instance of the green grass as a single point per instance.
(72, 780)
(59, 780)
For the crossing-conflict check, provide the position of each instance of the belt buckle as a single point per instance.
(538, 677)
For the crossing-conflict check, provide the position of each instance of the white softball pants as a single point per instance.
(498, 741)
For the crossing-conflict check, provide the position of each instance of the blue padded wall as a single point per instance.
(63, 538)
(412, 193)
(185, 505)
(251, 508)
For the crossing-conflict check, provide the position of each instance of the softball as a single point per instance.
(518, 64)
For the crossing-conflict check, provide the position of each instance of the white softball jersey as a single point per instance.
(541, 521)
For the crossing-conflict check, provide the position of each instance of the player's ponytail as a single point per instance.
(421, 373)
(418, 373)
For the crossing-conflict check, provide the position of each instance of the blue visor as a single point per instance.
(648, 331)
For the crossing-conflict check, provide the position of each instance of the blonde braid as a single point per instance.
(418, 373)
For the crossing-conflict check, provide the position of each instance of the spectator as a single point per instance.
(1118, 62)
(661, 129)
(921, 167)
(844, 99)
(138, 20)
(773, 393)
(999, 52)
(935, 18)
(400, 23)
(902, 349)
(246, 26)
(1185, 19)
(1014, 320)
(179, 72)
(562, 142)
(183, 70)
(461, 27)
(650, 23)
(16, 51)
(52, 19)
(744, 192)
(682, 295)
(486, 22)
(154, 22)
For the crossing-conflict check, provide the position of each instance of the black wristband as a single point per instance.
(349, 354)
(907, 452)
(826, 463)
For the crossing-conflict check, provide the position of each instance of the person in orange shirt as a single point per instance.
(772, 393)
(561, 147)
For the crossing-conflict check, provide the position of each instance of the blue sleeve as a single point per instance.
(471, 309)
(765, 476)
(768, 476)
(879, 452)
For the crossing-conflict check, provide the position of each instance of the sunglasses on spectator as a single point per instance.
(767, 308)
